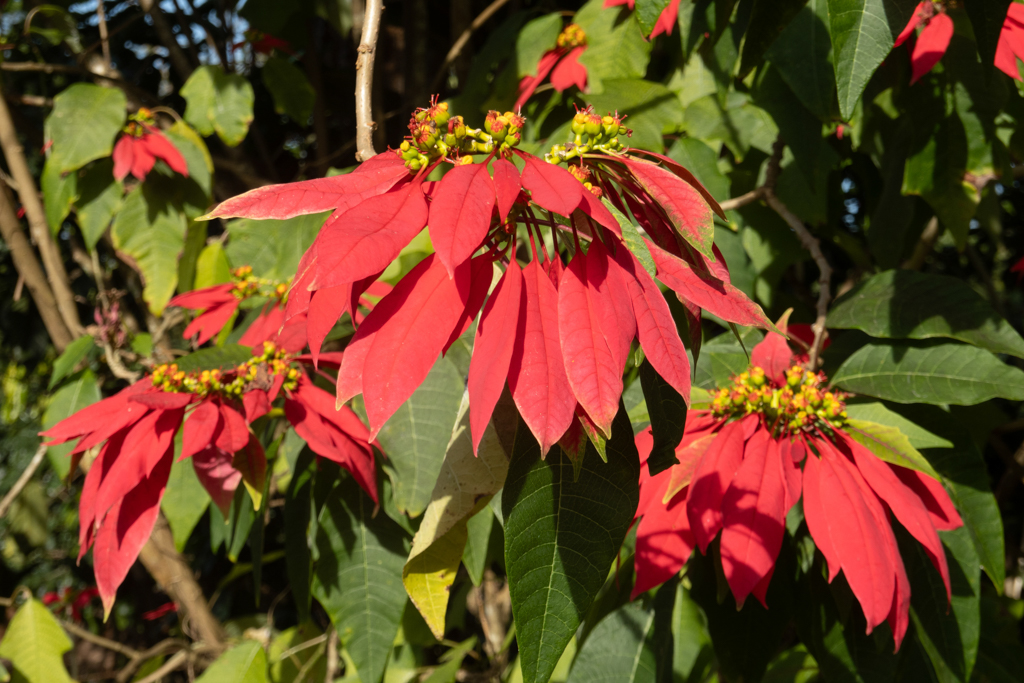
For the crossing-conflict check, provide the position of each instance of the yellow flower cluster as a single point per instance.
(601, 132)
(247, 285)
(801, 404)
(254, 373)
(572, 36)
(434, 134)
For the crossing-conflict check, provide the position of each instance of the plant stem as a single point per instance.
(23, 480)
(364, 80)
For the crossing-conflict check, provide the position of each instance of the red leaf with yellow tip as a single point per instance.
(686, 208)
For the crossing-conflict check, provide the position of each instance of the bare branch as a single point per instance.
(101, 17)
(810, 243)
(23, 480)
(172, 664)
(27, 265)
(82, 633)
(40, 231)
(460, 42)
(744, 199)
(364, 80)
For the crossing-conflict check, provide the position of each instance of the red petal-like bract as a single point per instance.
(933, 496)
(1011, 41)
(256, 404)
(124, 154)
(366, 238)
(711, 480)
(664, 541)
(337, 435)
(591, 365)
(817, 517)
(931, 45)
(656, 329)
(219, 304)
(460, 213)
(720, 298)
(569, 72)
(339, 193)
(142, 160)
(234, 432)
(325, 307)
(127, 527)
(753, 517)
(265, 327)
(686, 208)
(530, 83)
(506, 186)
(536, 374)
(406, 345)
(162, 148)
(915, 21)
(607, 283)
(481, 275)
(492, 349)
(200, 430)
(551, 187)
(666, 20)
(592, 206)
(773, 355)
(686, 175)
(218, 476)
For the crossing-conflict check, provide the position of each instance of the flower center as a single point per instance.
(256, 373)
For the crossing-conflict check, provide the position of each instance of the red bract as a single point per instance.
(773, 436)
(140, 147)
(665, 22)
(562, 63)
(559, 335)
(933, 39)
(1010, 47)
(135, 431)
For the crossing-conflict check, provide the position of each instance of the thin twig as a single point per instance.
(744, 199)
(82, 633)
(116, 366)
(23, 480)
(364, 80)
(460, 42)
(333, 660)
(312, 642)
(810, 243)
(78, 71)
(132, 666)
(176, 660)
(101, 17)
(924, 245)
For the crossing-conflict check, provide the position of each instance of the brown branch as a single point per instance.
(135, 662)
(460, 42)
(364, 80)
(167, 567)
(42, 67)
(744, 199)
(101, 17)
(38, 227)
(163, 30)
(23, 480)
(810, 243)
(924, 245)
(172, 664)
(27, 265)
(242, 172)
(82, 633)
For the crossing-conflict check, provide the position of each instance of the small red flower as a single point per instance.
(739, 473)
(562, 63)
(933, 40)
(1011, 41)
(141, 145)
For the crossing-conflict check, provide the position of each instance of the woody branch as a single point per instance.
(364, 80)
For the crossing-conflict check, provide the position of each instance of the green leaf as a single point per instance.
(647, 13)
(534, 39)
(99, 199)
(185, 500)
(150, 231)
(561, 535)
(59, 192)
(889, 444)
(702, 161)
(82, 126)
(222, 358)
(935, 172)
(929, 372)
(35, 644)
(689, 634)
(863, 33)
(273, 248)
(463, 488)
(795, 665)
(245, 663)
(738, 123)
(292, 92)
(667, 411)
(1000, 653)
(768, 19)
(218, 102)
(197, 156)
(877, 412)
(82, 391)
(618, 649)
(632, 238)
(966, 478)
(195, 242)
(948, 630)
(212, 267)
(358, 576)
(300, 530)
(72, 356)
(287, 669)
(906, 304)
(615, 49)
(475, 557)
(653, 109)
(987, 21)
(417, 436)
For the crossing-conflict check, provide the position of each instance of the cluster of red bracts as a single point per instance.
(135, 431)
(136, 154)
(739, 478)
(559, 335)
